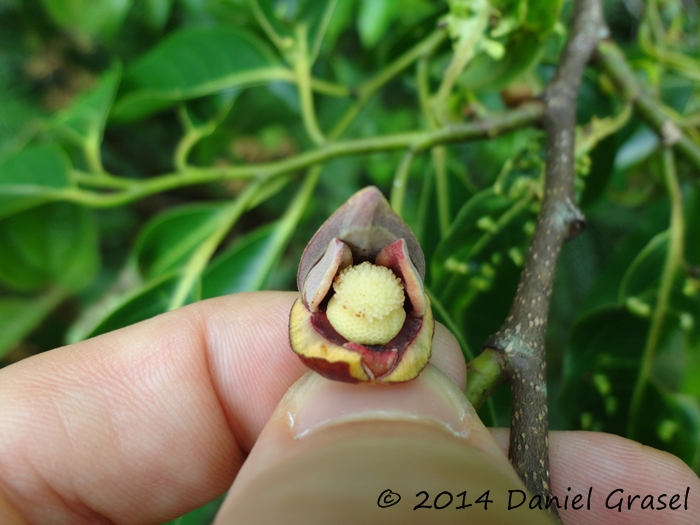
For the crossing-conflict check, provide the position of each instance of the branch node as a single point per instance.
(576, 221)
(670, 133)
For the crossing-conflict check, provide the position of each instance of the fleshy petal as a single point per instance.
(417, 353)
(366, 223)
(319, 280)
(318, 353)
(395, 257)
(325, 351)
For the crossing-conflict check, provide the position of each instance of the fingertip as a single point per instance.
(448, 357)
(330, 449)
(618, 472)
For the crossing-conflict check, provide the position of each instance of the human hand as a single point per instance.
(148, 422)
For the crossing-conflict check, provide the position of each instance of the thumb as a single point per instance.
(334, 453)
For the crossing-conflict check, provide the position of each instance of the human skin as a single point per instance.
(143, 424)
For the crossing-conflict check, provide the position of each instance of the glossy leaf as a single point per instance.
(243, 267)
(20, 315)
(645, 271)
(19, 118)
(600, 372)
(143, 303)
(84, 119)
(601, 365)
(157, 12)
(31, 177)
(169, 239)
(51, 244)
(374, 19)
(603, 221)
(639, 287)
(91, 18)
(192, 63)
(671, 422)
(204, 515)
(691, 381)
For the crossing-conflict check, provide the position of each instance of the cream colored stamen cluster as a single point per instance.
(367, 307)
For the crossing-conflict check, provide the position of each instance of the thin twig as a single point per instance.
(520, 340)
(367, 90)
(612, 61)
(302, 70)
(419, 141)
(398, 189)
(674, 256)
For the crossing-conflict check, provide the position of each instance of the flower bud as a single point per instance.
(363, 314)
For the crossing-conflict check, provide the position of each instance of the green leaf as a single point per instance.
(692, 232)
(629, 232)
(601, 366)
(374, 19)
(691, 381)
(488, 223)
(486, 73)
(523, 47)
(475, 268)
(542, 15)
(20, 315)
(204, 515)
(602, 163)
(639, 287)
(671, 422)
(157, 12)
(89, 18)
(20, 117)
(170, 238)
(192, 63)
(51, 244)
(202, 113)
(645, 271)
(143, 303)
(243, 267)
(31, 177)
(84, 120)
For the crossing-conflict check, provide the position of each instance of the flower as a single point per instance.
(363, 314)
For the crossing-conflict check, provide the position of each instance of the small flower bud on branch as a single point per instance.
(363, 314)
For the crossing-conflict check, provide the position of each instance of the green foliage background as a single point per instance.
(158, 152)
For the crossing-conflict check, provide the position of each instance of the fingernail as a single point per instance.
(315, 402)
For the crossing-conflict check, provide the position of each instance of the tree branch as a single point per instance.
(521, 339)
(418, 141)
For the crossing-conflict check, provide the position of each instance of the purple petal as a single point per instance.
(366, 223)
(319, 280)
(395, 257)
